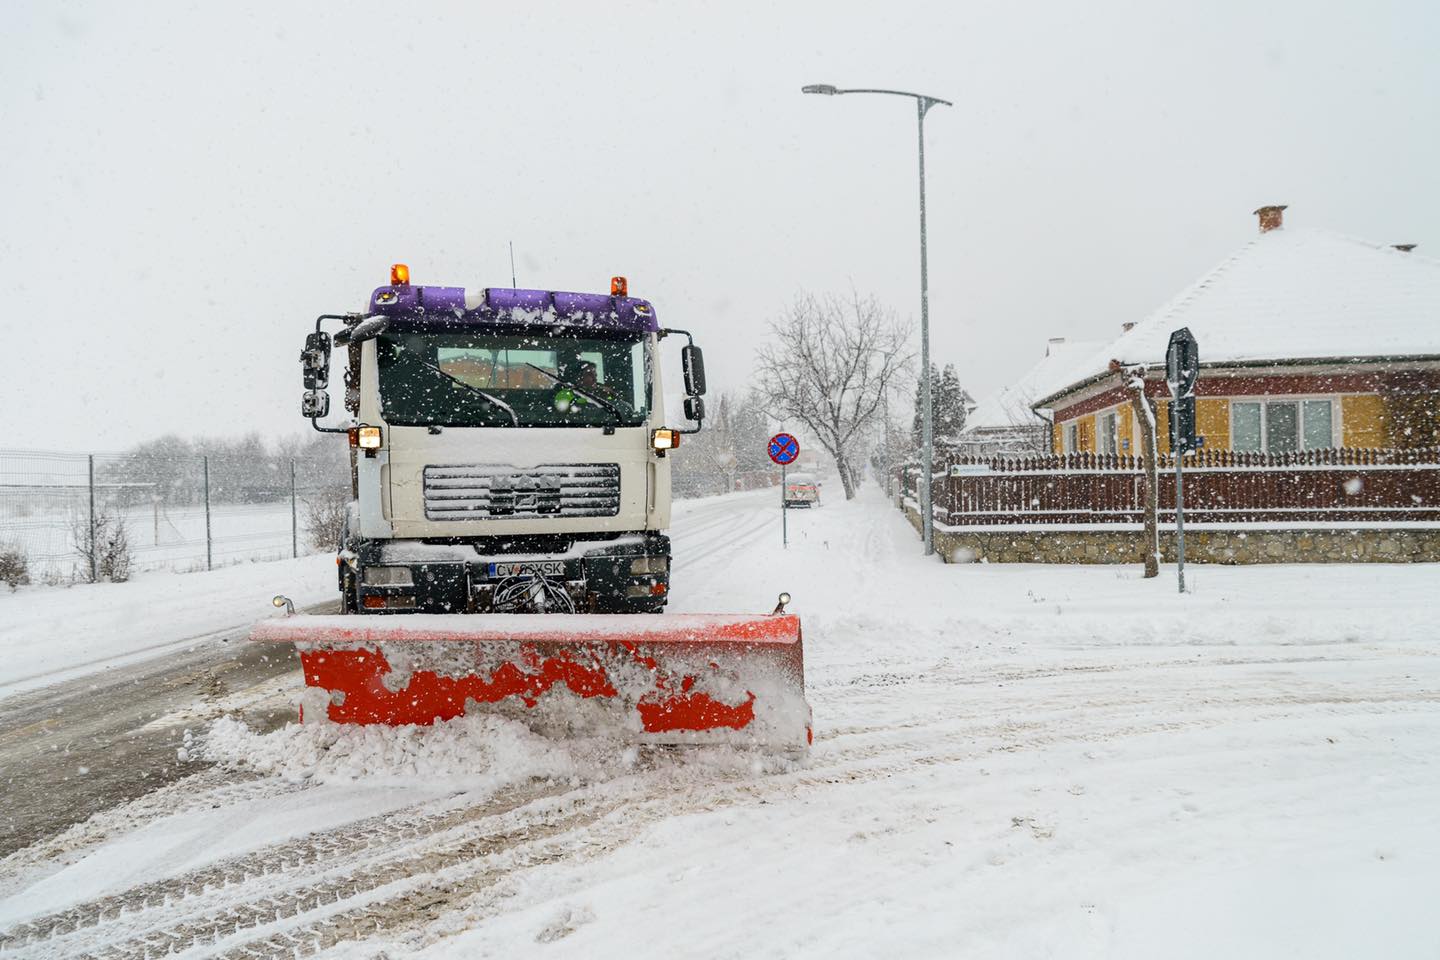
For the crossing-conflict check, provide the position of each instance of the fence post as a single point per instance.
(294, 528)
(209, 562)
(94, 572)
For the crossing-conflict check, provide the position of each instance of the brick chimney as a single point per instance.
(1054, 342)
(1271, 218)
(1403, 247)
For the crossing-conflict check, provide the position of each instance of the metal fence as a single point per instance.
(178, 513)
(1319, 486)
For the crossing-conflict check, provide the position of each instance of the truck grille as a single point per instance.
(481, 491)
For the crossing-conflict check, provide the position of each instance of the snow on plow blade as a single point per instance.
(678, 678)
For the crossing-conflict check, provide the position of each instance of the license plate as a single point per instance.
(543, 568)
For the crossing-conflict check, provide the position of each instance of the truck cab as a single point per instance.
(510, 450)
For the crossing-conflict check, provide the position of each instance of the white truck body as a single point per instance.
(391, 485)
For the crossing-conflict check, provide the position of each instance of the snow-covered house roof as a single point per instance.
(1292, 295)
(1010, 405)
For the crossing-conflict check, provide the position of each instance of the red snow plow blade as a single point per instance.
(679, 678)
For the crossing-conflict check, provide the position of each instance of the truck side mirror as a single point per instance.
(314, 404)
(694, 409)
(694, 363)
(315, 361)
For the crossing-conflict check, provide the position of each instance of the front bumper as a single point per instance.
(592, 576)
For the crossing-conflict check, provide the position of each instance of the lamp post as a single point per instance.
(927, 418)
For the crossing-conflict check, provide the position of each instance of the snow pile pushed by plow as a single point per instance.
(478, 753)
(465, 748)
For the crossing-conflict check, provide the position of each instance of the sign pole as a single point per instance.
(784, 512)
(784, 450)
(1182, 369)
(1180, 521)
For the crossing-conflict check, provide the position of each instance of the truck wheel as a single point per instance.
(349, 597)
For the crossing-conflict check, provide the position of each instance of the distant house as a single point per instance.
(1004, 423)
(1308, 340)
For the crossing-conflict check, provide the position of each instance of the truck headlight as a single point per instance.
(388, 577)
(643, 565)
(368, 438)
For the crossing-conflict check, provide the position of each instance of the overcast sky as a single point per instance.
(185, 188)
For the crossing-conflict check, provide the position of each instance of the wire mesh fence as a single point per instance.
(60, 512)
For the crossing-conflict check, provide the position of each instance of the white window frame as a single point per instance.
(1070, 436)
(1337, 431)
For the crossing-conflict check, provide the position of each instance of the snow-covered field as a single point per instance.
(49, 634)
(161, 537)
(1009, 761)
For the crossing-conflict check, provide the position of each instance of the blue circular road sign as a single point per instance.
(784, 448)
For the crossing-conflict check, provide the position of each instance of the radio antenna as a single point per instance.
(512, 264)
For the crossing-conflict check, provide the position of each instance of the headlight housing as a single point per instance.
(367, 437)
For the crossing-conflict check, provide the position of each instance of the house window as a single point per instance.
(1245, 426)
(1319, 427)
(1282, 426)
(1072, 437)
(1107, 437)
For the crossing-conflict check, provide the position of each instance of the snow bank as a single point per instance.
(480, 754)
(471, 748)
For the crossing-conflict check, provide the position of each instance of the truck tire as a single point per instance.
(349, 594)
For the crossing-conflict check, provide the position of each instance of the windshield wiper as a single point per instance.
(619, 417)
(514, 418)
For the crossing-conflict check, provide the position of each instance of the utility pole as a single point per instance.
(94, 552)
(209, 553)
(294, 519)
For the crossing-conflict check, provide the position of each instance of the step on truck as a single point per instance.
(510, 456)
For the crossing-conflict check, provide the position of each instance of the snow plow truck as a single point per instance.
(505, 548)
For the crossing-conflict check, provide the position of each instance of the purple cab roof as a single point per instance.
(454, 307)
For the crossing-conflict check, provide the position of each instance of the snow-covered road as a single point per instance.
(1009, 761)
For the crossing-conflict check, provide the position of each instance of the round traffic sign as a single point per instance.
(784, 448)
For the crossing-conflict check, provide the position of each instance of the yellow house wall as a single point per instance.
(1364, 422)
(1057, 439)
(1212, 421)
(1125, 430)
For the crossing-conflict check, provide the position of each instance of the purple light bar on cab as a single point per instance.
(444, 307)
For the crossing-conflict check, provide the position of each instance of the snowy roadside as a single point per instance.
(50, 634)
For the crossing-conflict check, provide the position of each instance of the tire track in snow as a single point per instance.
(399, 882)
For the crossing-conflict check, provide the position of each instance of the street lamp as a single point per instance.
(927, 512)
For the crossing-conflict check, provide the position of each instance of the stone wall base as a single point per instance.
(1201, 546)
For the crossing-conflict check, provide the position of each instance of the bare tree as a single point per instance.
(103, 543)
(325, 513)
(1145, 424)
(829, 365)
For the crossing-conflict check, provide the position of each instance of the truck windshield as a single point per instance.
(547, 379)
